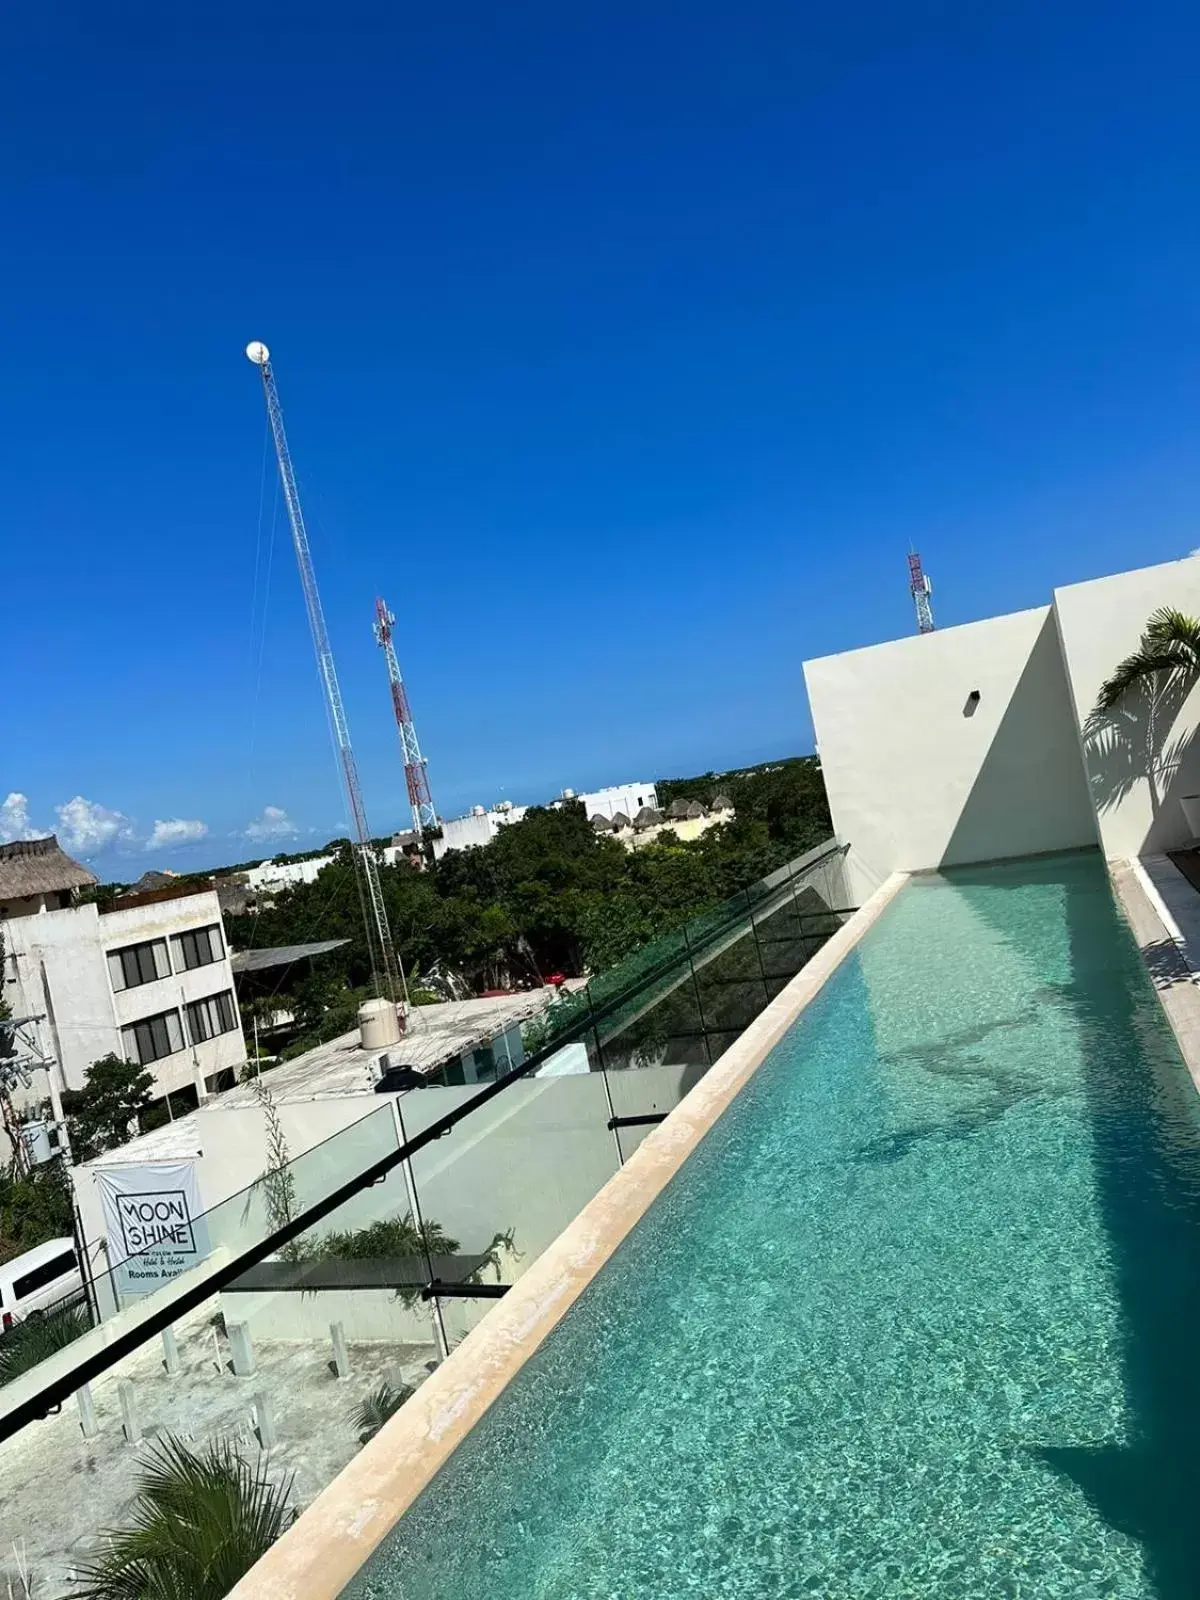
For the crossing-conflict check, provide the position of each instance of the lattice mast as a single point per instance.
(416, 774)
(920, 588)
(386, 969)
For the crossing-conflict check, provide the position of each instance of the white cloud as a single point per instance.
(87, 827)
(273, 824)
(176, 830)
(14, 820)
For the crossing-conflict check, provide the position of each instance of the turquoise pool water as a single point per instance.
(920, 1318)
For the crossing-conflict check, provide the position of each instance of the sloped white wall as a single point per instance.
(918, 777)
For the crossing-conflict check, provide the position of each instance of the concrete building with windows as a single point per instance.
(146, 977)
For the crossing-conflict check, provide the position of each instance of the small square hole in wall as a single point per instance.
(972, 705)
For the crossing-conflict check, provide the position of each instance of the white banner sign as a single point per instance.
(154, 1220)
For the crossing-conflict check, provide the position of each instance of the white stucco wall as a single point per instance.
(918, 779)
(1143, 757)
(56, 971)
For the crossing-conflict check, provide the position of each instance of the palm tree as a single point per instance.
(1170, 650)
(371, 1414)
(200, 1522)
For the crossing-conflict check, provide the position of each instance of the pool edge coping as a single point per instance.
(1173, 979)
(331, 1541)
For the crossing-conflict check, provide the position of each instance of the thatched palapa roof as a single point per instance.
(39, 866)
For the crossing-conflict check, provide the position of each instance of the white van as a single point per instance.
(38, 1279)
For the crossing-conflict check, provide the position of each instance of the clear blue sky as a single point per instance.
(624, 348)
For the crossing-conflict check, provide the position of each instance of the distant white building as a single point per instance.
(478, 827)
(286, 874)
(148, 979)
(626, 798)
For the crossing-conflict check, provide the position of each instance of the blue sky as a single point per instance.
(624, 350)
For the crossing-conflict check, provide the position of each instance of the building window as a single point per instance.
(152, 1038)
(207, 1018)
(199, 947)
(137, 964)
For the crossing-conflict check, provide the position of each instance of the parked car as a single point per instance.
(48, 1275)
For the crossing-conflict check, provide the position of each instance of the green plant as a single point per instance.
(395, 1238)
(1170, 648)
(277, 1180)
(391, 1236)
(37, 1338)
(371, 1414)
(99, 1115)
(200, 1522)
(34, 1206)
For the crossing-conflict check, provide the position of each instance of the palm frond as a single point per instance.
(201, 1521)
(371, 1414)
(1154, 660)
(1168, 626)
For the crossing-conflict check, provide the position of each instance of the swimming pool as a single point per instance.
(916, 1319)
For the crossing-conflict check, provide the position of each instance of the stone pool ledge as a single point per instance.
(324, 1549)
(1164, 956)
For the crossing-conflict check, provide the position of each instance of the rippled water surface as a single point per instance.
(920, 1318)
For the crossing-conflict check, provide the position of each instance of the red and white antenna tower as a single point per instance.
(920, 588)
(385, 965)
(416, 775)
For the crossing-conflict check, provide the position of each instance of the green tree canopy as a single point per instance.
(547, 895)
(114, 1094)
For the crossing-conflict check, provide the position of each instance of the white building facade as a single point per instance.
(626, 798)
(479, 827)
(150, 982)
(287, 874)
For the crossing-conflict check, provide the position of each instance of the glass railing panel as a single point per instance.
(731, 984)
(291, 1364)
(146, 1227)
(653, 1029)
(507, 1180)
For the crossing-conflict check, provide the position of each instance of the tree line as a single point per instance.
(548, 895)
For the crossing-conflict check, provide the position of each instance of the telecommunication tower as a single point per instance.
(416, 774)
(920, 588)
(385, 965)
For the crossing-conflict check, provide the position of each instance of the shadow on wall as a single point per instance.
(1030, 796)
(1136, 743)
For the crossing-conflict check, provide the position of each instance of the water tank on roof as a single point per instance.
(378, 1024)
(568, 794)
(478, 811)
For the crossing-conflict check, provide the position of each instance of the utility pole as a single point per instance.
(386, 969)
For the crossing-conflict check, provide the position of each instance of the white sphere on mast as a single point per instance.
(258, 353)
